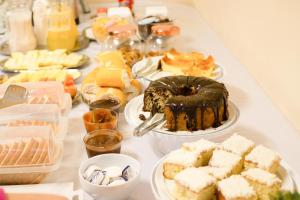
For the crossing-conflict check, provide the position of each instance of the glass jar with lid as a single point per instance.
(62, 29)
(162, 39)
(124, 38)
(20, 29)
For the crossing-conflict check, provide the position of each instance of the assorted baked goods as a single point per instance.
(189, 64)
(112, 80)
(188, 102)
(222, 173)
(43, 59)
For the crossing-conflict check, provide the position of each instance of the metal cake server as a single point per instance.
(149, 68)
(149, 124)
(14, 94)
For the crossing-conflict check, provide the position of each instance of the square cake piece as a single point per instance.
(203, 148)
(222, 158)
(218, 172)
(194, 184)
(264, 183)
(235, 188)
(263, 158)
(238, 144)
(179, 160)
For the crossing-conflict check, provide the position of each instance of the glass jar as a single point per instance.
(20, 29)
(62, 29)
(124, 38)
(162, 39)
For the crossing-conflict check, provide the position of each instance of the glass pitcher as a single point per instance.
(62, 29)
(19, 24)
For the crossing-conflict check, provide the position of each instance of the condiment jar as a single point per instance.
(122, 36)
(20, 29)
(62, 29)
(162, 39)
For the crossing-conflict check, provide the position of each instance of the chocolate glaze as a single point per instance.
(191, 94)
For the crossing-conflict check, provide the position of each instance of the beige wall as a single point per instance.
(265, 36)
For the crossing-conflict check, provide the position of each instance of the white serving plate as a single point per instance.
(159, 74)
(135, 107)
(165, 140)
(163, 189)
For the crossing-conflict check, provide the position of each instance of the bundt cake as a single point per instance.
(189, 103)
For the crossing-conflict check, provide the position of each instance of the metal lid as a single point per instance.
(122, 30)
(165, 30)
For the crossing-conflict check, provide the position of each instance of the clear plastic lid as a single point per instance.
(34, 115)
(27, 146)
(45, 93)
(27, 154)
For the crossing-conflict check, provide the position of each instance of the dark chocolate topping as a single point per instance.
(191, 93)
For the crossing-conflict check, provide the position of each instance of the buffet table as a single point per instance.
(259, 119)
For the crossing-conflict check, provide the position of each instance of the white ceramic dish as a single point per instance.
(163, 188)
(166, 140)
(119, 192)
(159, 74)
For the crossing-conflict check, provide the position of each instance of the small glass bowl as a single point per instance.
(102, 142)
(97, 119)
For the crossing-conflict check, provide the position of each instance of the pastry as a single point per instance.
(108, 77)
(111, 59)
(238, 144)
(218, 172)
(179, 160)
(264, 158)
(204, 149)
(194, 184)
(189, 103)
(235, 188)
(191, 64)
(222, 158)
(265, 184)
(92, 93)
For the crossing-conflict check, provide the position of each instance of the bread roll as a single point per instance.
(92, 92)
(112, 59)
(111, 93)
(108, 77)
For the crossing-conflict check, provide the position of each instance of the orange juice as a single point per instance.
(62, 30)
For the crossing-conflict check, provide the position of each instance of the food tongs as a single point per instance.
(149, 124)
(13, 95)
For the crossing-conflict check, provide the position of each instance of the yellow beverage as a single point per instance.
(62, 30)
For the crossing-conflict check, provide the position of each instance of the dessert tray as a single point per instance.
(163, 189)
(135, 107)
(147, 68)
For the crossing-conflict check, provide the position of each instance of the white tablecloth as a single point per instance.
(259, 119)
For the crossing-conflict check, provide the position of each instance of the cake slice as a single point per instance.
(218, 172)
(264, 183)
(222, 158)
(203, 148)
(235, 188)
(263, 158)
(179, 160)
(194, 184)
(238, 144)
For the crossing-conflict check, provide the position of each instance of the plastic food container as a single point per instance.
(35, 115)
(28, 154)
(45, 93)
